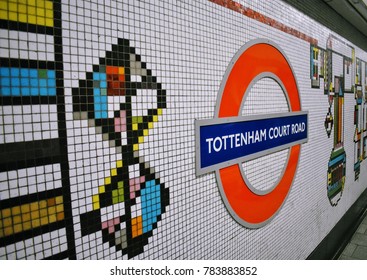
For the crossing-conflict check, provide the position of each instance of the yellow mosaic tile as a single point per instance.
(38, 12)
(31, 215)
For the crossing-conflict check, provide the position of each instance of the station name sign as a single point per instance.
(222, 142)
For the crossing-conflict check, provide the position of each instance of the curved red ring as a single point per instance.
(259, 58)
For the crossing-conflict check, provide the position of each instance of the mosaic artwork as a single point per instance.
(321, 66)
(337, 161)
(98, 104)
(349, 81)
(133, 193)
(35, 220)
(360, 120)
(35, 209)
(316, 55)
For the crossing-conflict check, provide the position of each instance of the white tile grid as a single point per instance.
(190, 244)
(28, 123)
(337, 66)
(30, 180)
(91, 160)
(190, 62)
(349, 77)
(265, 97)
(190, 230)
(26, 45)
(38, 247)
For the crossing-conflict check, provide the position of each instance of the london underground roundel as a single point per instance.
(229, 139)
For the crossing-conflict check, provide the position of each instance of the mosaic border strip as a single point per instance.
(29, 82)
(250, 13)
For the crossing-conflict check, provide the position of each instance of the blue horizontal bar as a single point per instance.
(27, 82)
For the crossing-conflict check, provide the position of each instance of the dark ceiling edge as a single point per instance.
(325, 15)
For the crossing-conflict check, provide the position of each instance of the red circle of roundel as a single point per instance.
(255, 210)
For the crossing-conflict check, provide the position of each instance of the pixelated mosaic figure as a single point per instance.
(321, 65)
(337, 163)
(132, 200)
(360, 119)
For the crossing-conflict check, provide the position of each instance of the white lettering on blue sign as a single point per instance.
(228, 141)
(237, 140)
(232, 141)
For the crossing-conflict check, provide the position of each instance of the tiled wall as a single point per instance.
(98, 102)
